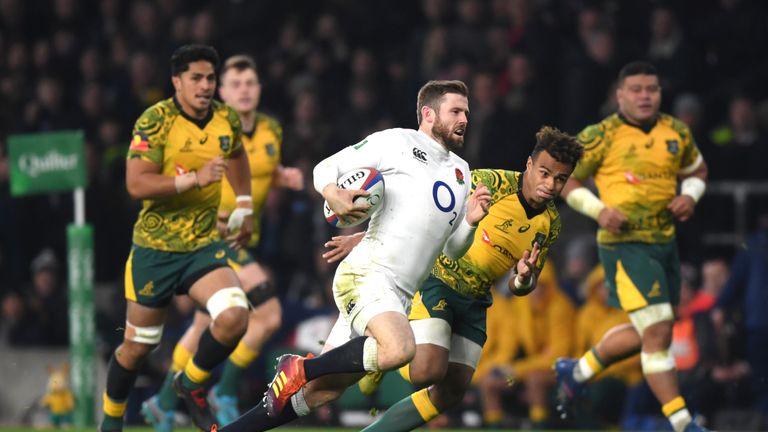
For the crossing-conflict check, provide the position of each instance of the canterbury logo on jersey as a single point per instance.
(420, 155)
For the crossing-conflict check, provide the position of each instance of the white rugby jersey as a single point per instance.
(426, 188)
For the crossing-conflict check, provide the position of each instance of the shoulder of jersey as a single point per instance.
(272, 123)
(155, 115)
(592, 135)
(676, 124)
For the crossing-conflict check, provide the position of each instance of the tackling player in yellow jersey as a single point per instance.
(636, 158)
(262, 139)
(448, 313)
(182, 147)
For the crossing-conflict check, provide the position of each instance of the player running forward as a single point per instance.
(262, 139)
(426, 210)
(448, 315)
(636, 157)
(181, 149)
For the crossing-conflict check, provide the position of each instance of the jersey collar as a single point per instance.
(201, 123)
(530, 212)
(647, 128)
(441, 150)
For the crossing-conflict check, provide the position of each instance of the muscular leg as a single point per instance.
(229, 322)
(315, 394)
(167, 399)
(424, 405)
(141, 336)
(618, 343)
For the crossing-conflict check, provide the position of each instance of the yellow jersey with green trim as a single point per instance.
(180, 144)
(511, 227)
(635, 170)
(263, 146)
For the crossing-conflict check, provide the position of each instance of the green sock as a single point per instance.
(167, 398)
(109, 423)
(403, 416)
(230, 379)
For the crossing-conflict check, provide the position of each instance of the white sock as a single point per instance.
(680, 420)
(299, 403)
(371, 355)
(583, 372)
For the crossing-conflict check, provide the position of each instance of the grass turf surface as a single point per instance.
(316, 429)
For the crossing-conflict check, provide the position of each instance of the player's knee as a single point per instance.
(228, 308)
(657, 362)
(232, 322)
(426, 373)
(139, 341)
(654, 324)
(397, 354)
(133, 353)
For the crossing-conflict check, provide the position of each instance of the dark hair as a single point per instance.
(187, 54)
(240, 63)
(431, 94)
(636, 68)
(562, 147)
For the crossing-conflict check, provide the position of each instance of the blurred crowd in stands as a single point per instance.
(335, 70)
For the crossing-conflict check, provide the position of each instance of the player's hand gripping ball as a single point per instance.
(368, 179)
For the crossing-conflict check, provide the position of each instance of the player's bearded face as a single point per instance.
(451, 122)
(639, 98)
(195, 87)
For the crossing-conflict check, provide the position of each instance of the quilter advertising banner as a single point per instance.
(46, 162)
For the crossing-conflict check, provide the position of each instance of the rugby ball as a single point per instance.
(368, 179)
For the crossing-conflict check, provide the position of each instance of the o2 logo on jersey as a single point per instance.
(444, 198)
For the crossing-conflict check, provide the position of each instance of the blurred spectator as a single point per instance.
(541, 330)
(668, 50)
(486, 140)
(688, 108)
(46, 298)
(580, 259)
(745, 293)
(739, 145)
(593, 320)
(16, 326)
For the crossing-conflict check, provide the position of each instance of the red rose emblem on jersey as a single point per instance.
(459, 176)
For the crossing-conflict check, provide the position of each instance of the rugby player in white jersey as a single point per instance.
(427, 210)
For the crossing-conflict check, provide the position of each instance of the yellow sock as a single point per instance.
(424, 405)
(677, 413)
(493, 416)
(243, 356)
(405, 372)
(181, 356)
(195, 374)
(113, 408)
(538, 413)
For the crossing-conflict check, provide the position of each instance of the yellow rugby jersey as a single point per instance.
(635, 171)
(263, 145)
(511, 227)
(167, 136)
